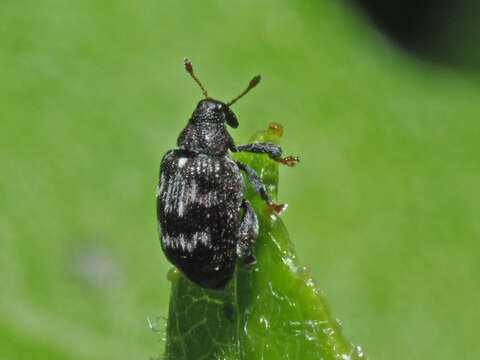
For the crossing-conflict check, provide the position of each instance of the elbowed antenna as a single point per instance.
(254, 82)
(189, 68)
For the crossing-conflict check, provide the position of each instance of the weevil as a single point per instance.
(204, 222)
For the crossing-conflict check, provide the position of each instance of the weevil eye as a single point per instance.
(231, 119)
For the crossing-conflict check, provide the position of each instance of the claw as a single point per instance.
(278, 208)
(289, 160)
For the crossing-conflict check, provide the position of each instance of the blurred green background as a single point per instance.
(383, 207)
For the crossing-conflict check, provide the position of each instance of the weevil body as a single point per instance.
(205, 223)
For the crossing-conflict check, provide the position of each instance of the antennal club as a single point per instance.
(254, 82)
(189, 68)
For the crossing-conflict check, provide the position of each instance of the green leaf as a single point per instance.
(270, 310)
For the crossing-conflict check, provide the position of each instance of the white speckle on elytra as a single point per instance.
(181, 162)
(204, 237)
(181, 239)
(161, 187)
(180, 208)
(193, 192)
(190, 246)
(165, 237)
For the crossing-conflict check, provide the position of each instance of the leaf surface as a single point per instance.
(270, 310)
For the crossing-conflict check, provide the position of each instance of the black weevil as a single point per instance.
(200, 195)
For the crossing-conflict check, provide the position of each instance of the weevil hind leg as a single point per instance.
(247, 234)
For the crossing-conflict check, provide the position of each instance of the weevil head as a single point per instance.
(206, 131)
(213, 111)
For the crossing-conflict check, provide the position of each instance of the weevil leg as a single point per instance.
(259, 187)
(272, 150)
(247, 234)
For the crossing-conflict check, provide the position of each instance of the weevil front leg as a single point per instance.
(259, 187)
(247, 234)
(272, 150)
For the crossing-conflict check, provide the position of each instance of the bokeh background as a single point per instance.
(380, 100)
